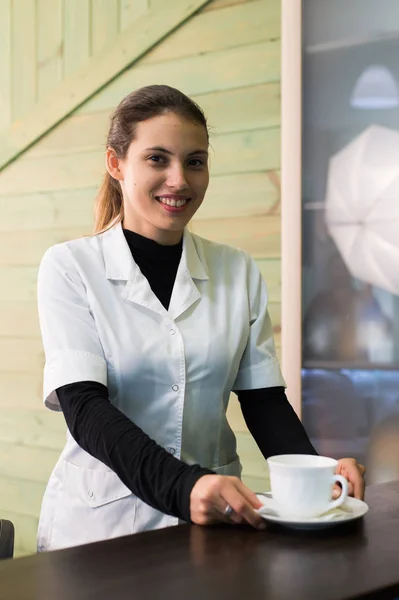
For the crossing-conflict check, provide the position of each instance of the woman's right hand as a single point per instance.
(212, 494)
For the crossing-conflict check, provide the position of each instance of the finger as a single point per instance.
(354, 474)
(242, 508)
(337, 490)
(235, 519)
(219, 515)
(362, 469)
(358, 484)
(355, 482)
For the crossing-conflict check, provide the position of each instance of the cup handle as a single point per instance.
(341, 499)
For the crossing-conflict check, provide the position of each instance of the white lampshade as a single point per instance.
(375, 88)
(362, 206)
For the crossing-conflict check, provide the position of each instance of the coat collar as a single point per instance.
(120, 266)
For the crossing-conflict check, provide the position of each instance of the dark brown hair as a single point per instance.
(140, 105)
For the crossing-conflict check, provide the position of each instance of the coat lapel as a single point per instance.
(191, 269)
(120, 266)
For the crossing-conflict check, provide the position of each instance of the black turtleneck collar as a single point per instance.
(157, 263)
(140, 245)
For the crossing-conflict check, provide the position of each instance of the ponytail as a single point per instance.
(108, 210)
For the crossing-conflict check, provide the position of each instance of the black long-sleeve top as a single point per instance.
(154, 475)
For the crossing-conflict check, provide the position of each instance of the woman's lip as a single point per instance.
(174, 209)
(172, 197)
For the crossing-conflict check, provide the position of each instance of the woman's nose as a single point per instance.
(177, 178)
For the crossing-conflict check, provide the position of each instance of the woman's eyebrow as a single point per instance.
(158, 149)
(205, 152)
(161, 149)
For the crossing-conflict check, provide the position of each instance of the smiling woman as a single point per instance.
(147, 330)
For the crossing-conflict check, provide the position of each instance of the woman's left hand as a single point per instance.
(353, 471)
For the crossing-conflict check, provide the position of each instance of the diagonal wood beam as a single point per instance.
(105, 66)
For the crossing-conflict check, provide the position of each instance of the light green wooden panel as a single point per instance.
(271, 273)
(104, 23)
(244, 194)
(21, 355)
(93, 76)
(218, 4)
(217, 30)
(52, 210)
(254, 464)
(22, 497)
(68, 138)
(76, 34)
(25, 532)
(49, 45)
(26, 462)
(130, 11)
(23, 391)
(35, 243)
(52, 173)
(21, 284)
(233, 153)
(234, 415)
(39, 429)
(246, 151)
(5, 64)
(18, 318)
(259, 236)
(23, 57)
(241, 109)
(275, 313)
(256, 484)
(227, 69)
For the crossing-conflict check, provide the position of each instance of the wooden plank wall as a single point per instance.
(227, 57)
(44, 41)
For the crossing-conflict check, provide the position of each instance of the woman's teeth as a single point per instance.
(172, 201)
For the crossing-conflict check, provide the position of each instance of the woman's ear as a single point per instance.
(113, 164)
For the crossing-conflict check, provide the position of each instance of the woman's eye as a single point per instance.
(156, 158)
(195, 162)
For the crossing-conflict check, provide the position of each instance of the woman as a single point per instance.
(147, 329)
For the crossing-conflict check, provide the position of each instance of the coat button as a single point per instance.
(175, 388)
(172, 450)
(172, 331)
(90, 494)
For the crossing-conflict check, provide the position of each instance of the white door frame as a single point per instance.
(291, 197)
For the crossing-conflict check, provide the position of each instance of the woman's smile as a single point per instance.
(173, 203)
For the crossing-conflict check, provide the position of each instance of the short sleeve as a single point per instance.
(71, 343)
(259, 366)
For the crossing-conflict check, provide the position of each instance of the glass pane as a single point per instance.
(350, 224)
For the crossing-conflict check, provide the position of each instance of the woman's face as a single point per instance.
(163, 177)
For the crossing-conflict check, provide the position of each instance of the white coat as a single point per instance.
(170, 371)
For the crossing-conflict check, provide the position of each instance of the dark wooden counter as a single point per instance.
(358, 560)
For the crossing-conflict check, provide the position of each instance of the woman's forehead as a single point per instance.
(170, 129)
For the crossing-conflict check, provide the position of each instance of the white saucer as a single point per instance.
(350, 510)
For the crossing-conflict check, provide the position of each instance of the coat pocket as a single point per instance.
(91, 505)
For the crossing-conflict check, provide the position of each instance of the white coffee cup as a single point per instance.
(302, 484)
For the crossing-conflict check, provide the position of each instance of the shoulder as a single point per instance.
(229, 261)
(88, 244)
(68, 256)
(219, 252)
